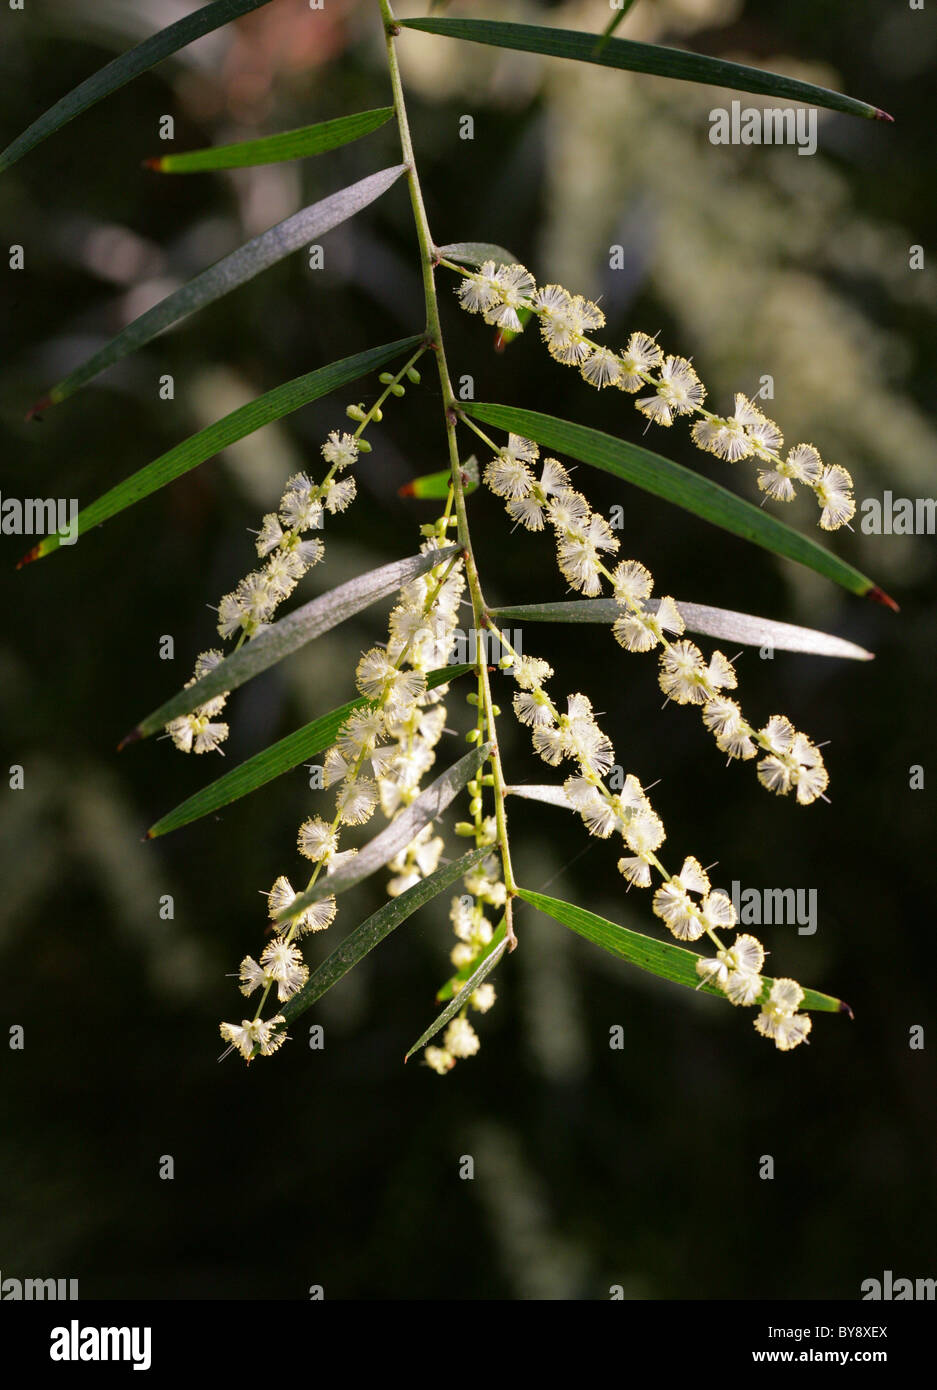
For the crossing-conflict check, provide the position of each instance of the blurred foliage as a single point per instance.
(592, 1167)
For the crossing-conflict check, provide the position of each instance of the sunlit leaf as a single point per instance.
(436, 485)
(286, 636)
(676, 484)
(661, 958)
(272, 405)
(272, 149)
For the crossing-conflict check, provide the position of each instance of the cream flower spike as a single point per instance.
(674, 390)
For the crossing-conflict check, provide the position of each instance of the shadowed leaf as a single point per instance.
(641, 57)
(283, 638)
(124, 69)
(388, 843)
(372, 932)
(228, 274)
(449, 1012)
(476, 253)
(455, 983)
(711, 622)
(550, 794)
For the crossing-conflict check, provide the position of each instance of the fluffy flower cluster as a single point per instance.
(673, 389)
(288, 553)
(380, 755)
(474, 932)
(200, 731)
(686, 902)
(282, 542)
(790, 760)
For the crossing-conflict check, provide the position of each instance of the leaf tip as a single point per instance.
(133, 737)
(881, 115)
(408, 490)
(30, 555)
(155, 161)
(35, 412)
(879, 596)
(845, 1009)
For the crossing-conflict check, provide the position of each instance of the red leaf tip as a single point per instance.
(879, 596)
(127, 739)
(30, 555)
(35, 411)
(154, 162)
(881, 115)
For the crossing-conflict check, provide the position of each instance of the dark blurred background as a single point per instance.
(339, 1167)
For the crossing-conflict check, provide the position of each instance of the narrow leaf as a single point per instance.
(272, 405)
(283, 638)
(661, 958)
(711, 622)
(551, 795)
(642, 57)
(388, 843)
(616, 19)
(273, 149)
(676, 484)
(228, 274)
(372, 932)
(124, 69)
(455, 983)
(280, 757)
(451, 1009)
(436, 485)
(476, 253)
